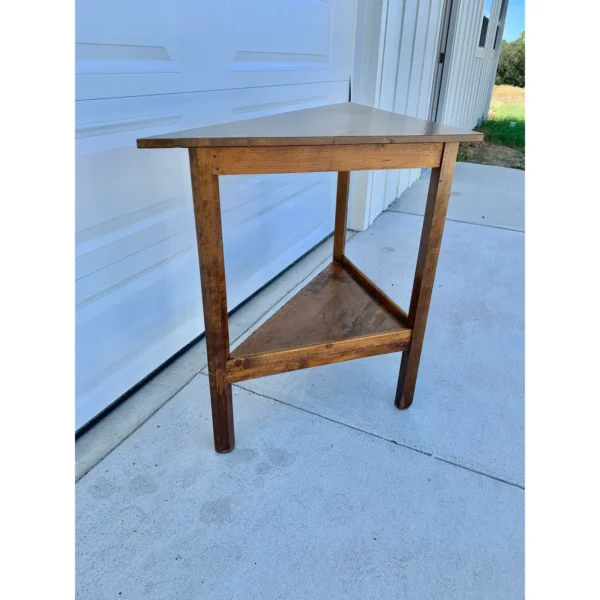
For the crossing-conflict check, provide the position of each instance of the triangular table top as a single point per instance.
(345, 123)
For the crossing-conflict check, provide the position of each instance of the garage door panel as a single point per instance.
(146, 67)
(283, 226)
(133, 303)
(143, 24)
(127, 198)
(118, 186)
(117, 122)
(240, 190)
(148, 321)
(147, 307)
(137, 289)
(287, 45)
(288, 197)
(155, 224)
(167, 47)
(133, 328)
(138, 40)
(274, 42)
(130, 268)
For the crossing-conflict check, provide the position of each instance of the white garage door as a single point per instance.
(150, 66)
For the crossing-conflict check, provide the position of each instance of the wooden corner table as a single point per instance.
(341, 314)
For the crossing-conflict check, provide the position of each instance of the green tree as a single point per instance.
(511, 64)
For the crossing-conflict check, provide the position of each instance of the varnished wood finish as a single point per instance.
(207, 212)
(341, 214)
(341, 314)
(429, 249)
(345, 123)
(332, 307)
(373, 289)
(310, 159)
(314, 355)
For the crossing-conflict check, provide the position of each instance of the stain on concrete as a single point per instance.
(131, 517)
(216, 511)
(262, 468)
(103, 489)
(143, 485)
(240, 455)
(280, 457)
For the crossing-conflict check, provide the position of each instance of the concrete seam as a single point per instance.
(405, 212)
(380, 437)
(449, 462)
(310, 412)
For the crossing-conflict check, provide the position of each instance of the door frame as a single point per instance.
(440, 85)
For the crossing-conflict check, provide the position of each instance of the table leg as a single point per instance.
(429, 249)
(207, 211)
(341, 214)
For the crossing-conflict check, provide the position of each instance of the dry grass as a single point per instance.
(504, 145)
(486, 153)
(508, 94)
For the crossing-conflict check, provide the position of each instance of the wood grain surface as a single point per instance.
(344, 123)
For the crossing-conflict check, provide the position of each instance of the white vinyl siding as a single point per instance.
(403, 74)
(471, 71)
(410, 35)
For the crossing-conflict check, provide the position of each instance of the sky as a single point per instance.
(515, 20)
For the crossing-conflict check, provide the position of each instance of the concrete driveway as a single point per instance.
(331, 491)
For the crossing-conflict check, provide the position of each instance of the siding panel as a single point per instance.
(411, 40)
(470, 74)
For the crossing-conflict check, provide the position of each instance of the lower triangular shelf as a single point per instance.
(333, 318)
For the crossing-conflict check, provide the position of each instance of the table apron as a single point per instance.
(310, 159)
